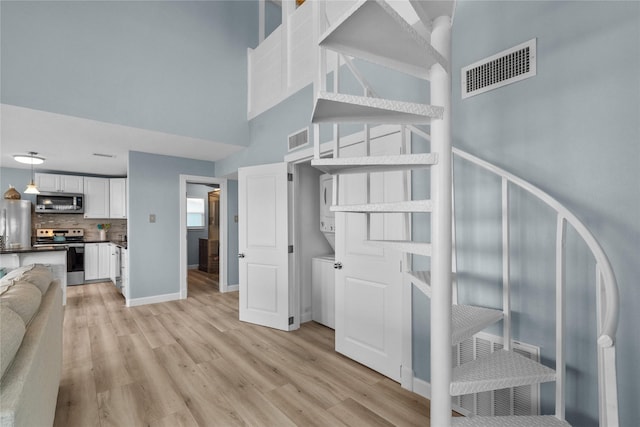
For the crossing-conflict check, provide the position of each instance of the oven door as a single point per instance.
(75, 264)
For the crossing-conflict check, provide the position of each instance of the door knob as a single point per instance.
(337, 265)
(240, 255)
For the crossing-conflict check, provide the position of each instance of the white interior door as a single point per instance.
(369, 285)
(263, 245)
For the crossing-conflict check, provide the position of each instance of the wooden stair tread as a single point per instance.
(343, 108)
(374, 31)
(389, 207)
(501, 369)
(510, 421)
(346, 165)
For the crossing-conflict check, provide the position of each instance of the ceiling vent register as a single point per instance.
(509, 66)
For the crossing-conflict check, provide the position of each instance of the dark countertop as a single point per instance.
(51, 248)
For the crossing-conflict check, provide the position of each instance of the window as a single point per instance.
(195, 213)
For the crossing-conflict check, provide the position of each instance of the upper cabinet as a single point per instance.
(96, 197)
(118, 198)
(60, 183)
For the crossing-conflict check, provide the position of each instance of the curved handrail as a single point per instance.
(610, 324)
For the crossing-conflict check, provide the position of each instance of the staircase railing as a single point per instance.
(606, 292)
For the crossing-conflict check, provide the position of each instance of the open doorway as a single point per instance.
(208, 230)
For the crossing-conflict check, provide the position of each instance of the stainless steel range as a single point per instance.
(73, 239)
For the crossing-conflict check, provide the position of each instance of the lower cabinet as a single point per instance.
(323, 291)
(114, 265)
(97, 261)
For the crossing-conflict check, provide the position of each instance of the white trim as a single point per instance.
(406, 321)
(233, 288)
(222, 182)
(193, 266)
(304, 318)
(133, 302)
(423, 388)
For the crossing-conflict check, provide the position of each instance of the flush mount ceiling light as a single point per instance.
(29, 159)
(32, 159)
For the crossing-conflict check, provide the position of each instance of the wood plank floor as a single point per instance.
(193, 363)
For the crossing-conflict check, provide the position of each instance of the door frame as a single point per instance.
(223, 286)
(306, 155)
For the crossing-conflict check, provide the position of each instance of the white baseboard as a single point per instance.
(423, 388)
(193, 266)
(132, 302)
(305, 317)
(233, 288)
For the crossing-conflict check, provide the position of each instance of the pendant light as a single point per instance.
(31, 187)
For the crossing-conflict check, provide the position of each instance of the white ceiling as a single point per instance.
(68, 143)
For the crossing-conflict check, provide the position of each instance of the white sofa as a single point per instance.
(31, 314)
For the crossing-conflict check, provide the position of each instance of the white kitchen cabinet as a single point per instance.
(91, 261)
(114, 264)
(104, 260)
(323, 290)
(118, 198)
(59, 183)
(96, 197)
(97, 261)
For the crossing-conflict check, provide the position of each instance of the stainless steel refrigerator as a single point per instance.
(15, 223)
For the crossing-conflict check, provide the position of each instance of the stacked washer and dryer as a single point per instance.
(322, 271)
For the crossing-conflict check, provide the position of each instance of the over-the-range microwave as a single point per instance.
(59, 203)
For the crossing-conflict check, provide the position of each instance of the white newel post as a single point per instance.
(441, 364)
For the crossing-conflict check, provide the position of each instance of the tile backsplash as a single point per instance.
(90, 226)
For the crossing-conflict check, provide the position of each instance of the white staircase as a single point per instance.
(373, 31)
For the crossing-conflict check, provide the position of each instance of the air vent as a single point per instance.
(521, 400)
(299, 139)
(506, 67)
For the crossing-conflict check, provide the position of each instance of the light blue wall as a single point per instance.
(574, 131)
(172, 66)
(154, 253)
(194, 236)
(19, 178)
(272, 17)
(269, 132)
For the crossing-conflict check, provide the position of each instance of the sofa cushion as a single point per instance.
(12, 331)
(14, 274)
(39, 276)
(36, 274)
(23, 298)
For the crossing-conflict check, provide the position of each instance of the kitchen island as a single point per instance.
(53, 256)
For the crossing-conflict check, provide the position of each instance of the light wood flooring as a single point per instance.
(193, 363)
